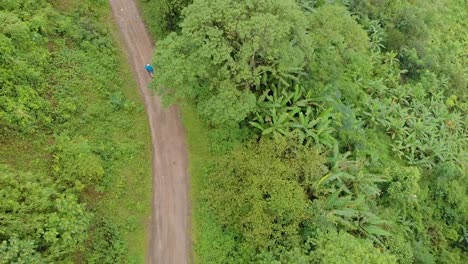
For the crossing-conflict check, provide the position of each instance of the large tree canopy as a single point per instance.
(225, 50)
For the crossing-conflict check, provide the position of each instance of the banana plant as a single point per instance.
(423, 129)
(354, 215)
(273, 115)
(285, 106)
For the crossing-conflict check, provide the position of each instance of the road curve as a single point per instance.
(169, 238)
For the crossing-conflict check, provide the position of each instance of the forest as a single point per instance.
(75, 153)
(320, 131)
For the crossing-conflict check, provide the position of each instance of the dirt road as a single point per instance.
(170, 241)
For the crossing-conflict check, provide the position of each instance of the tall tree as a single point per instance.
(225, 50)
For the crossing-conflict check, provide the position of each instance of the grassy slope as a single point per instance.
(211, 244)
(132, 203)
(198, 154)
(146, 10)
(26, 154)
(127, 201)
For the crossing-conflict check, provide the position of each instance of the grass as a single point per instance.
(65, 5)
(147, 11)
(126, 200)
(199, 153)
(129, 202)
(25, 154)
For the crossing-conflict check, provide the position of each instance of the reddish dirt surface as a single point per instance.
(169, 238)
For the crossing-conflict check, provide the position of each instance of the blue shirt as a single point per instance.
(149, 68)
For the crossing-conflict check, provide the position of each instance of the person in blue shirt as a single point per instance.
(149, 68)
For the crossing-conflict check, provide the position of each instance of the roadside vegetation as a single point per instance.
(320, 131)
(75, 153)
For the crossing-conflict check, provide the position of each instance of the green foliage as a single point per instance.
(445, 210)
(358, 109)
(298, 113)
(404, 191)
(76, 164)
(36, 213)
(224, 140)
(106, 244)
(23, 103)
(401, 249)
(163, 16)
(448, 190)
(342, 199)
(341, 247)
(424, 129)
(224, 51)
(295, 255)
(340, 48)
(19, 251)
(265, 206)
(218, 243)
(422, 35)
(74, 141)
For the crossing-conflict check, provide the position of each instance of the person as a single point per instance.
(149, 68)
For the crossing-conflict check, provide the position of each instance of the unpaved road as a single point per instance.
(169, 238)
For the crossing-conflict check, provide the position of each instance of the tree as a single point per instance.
(341, 48)
(256, 194)
(165, 15)
(341, 247)
(224, 51)
(35, 214)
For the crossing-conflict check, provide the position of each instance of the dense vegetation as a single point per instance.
(74, 144)
(321, 131)
(163, 15)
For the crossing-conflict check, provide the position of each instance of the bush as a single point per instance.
(163, 16)
(40, 217)
(341, 247)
